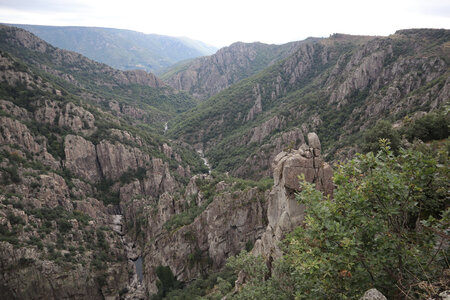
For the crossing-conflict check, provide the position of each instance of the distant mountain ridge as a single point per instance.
(337, 87)
(120, 48)
(204, 77)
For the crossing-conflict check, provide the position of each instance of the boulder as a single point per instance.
(373, 294)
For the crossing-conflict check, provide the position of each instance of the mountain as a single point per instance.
(206, 76)
(73, 133)
(100, 200)
(122, 49)
(125, 92)
(337, 87)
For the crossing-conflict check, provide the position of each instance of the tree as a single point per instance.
(383, 229)
(382, 130)
(166, 282)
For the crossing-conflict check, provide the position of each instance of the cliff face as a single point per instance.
(221, 230)
(206, 76)
(337, 87)
(283, 212)
(57, 239)
(65, 164)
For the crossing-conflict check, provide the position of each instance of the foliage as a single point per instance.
(186, 217)
(213, 286)
(432, 126)
(371, 234)
(253, 266)
(257, 285)
(382, 130)
(166, 282)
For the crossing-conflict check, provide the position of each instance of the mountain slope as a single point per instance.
(70, 168)
(337, 87)
(139, 94)
(206, 76)
(122, 49)
(91, 191)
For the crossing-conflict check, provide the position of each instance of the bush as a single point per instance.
(433, 126)
(373, 233)
(166, 282)
(15, 220)
(382, 130)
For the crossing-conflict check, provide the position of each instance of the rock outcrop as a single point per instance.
(284, 212)
(373, 294)
(69, 116)
(206, 76)
(81, 158)
(232, 219)
(17, 134)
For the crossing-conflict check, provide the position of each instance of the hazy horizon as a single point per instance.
(221, 24)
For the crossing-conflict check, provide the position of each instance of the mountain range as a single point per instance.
(122, 49)
(118, 184)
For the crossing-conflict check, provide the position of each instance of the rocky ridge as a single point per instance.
(65, 163)
(284, 213)
(93, 81)
(337, 87)
(122, 49)
(206, 76)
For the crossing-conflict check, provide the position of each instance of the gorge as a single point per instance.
(121, 185)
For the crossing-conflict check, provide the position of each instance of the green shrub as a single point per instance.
(15, 220)
(166, 282)
(432, 126)
(382, 130)
(367, 236)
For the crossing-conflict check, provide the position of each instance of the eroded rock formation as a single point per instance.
(284, 213)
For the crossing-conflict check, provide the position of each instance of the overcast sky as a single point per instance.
(221, 23)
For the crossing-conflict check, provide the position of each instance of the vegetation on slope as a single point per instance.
(122, 49)
(385, 228)
(75, 74)
(304, 99)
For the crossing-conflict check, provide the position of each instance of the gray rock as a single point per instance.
(373, 294)
(284, 212)
(313, 141)
(81, 158)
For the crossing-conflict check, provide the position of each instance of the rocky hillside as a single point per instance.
(67, 157)
(122, 49)
(96, 202)
(338, 87)
(206, 76)
(134, 94)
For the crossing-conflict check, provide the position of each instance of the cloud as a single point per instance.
(44, 6)
(222, 22)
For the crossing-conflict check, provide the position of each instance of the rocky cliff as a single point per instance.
(233, 219)
(206, 76)
(337, 87)
(65, 164)
(283, 212)
(58, 213)
(194, 233)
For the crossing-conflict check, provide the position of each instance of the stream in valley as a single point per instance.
(205, 160)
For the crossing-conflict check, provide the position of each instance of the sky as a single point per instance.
(220, 23)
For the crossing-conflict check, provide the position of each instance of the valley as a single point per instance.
(234, 175)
